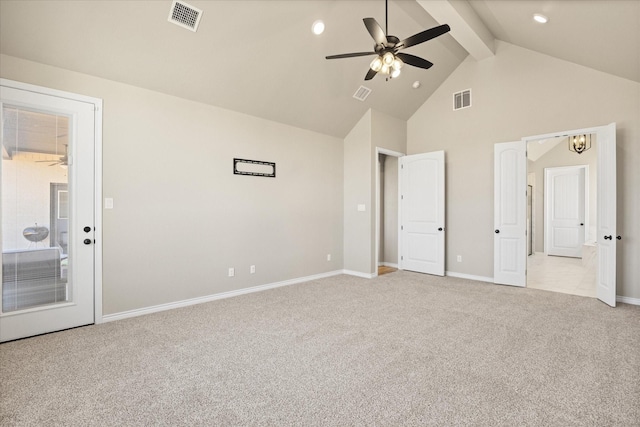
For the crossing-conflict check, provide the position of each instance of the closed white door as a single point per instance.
(422, 207)
(47, 212)
(510, 203)
(564, 217)
(606, 222)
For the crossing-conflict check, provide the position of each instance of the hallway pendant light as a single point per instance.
(579, 143)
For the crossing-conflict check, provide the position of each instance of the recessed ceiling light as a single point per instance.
(538, 17)
(318, 27)
(416, 84)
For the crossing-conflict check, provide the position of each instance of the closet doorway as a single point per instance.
(387, 191)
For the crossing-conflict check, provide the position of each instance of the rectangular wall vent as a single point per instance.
(462, 99)
(362, 93)
(185, 15)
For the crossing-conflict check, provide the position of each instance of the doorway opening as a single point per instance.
(387, 224)
(561, 217)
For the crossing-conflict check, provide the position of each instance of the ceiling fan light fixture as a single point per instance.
(387, 46)
(376, 64)
(395, 73)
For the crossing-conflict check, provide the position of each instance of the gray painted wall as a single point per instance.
(358, 226)
(181, 218)
(519, 93)
(374, 129)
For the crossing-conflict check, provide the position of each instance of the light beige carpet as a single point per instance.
(402, 349)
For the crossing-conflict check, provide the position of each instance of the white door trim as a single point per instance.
(97, 280)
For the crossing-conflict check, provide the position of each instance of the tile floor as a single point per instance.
(560, 274)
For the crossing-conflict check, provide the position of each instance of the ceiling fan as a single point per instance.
(389, 60)
(62, 161)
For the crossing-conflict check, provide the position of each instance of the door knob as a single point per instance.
(87, 241)
(619, 237)
(87, 229)
(439, 228)
(607, 237)
(497, 231)
(582, 223)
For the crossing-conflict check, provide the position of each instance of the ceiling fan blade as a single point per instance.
(370, 74)
(422, 37)
(376, 31)
(414, 60)
(350, 55)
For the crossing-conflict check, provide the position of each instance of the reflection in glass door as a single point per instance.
(34, 249)
(47, 210)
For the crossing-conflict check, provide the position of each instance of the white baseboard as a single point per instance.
(628, 300)
(214, 297)
(469, 276)
(359, 274)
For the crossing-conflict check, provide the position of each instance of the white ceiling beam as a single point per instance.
(466, 26)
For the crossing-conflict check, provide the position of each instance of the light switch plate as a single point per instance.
(362, 208)
(108, 203)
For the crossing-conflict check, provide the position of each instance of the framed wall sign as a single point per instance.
(254, 168)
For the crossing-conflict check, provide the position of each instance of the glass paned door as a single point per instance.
(34, 247)
(47, 211)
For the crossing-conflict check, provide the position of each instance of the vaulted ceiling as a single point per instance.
(261, 58)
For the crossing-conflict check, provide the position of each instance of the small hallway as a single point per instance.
(574, 276)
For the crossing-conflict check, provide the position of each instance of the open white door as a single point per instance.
(606, 237)
(564, 218)
(510, 203)
(422, 213)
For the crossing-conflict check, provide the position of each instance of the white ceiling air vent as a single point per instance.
(462, 99)
(185, 15)
(362, 93)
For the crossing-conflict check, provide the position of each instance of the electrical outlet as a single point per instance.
(252, 269)
(459, 258)
(328, 257)
(232, 272)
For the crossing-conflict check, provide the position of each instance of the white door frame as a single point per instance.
(377, 236)
(97, 137)
(548, 203)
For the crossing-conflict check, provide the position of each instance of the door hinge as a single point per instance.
(402, 227)
(401, 197)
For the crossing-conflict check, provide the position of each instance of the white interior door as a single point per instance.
(565, 211)
(422, 206)
(606, 222)
(510, 203)
(47, 184)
